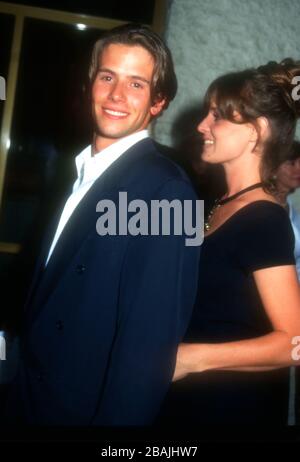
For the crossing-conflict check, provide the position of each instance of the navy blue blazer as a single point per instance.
(104, 318)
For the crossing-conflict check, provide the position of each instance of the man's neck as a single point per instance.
(99, 143)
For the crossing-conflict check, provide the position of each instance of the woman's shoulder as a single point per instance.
(262, 207)
(257, 204)
(265, 234)
(264, 221)
(244, 215)
(263, 217)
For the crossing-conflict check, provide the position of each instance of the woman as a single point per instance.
(233, 366)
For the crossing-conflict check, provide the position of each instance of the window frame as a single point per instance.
(20, 13)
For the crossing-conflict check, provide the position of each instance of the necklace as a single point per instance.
(219, 202)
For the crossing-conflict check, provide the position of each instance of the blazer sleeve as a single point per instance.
(157, 292)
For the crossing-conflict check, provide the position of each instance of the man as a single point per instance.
(106, 312)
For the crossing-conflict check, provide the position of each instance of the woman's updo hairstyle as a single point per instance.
(269, 91)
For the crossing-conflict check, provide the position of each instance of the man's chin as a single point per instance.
(113, 134)
(104, 139)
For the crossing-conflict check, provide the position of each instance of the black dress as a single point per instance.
(228, 308)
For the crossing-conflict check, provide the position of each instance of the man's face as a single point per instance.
(121, 93)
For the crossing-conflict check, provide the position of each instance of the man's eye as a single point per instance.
(106, 78)
(136, 85)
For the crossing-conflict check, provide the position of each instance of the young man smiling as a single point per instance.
(105, 313)
(121, 94)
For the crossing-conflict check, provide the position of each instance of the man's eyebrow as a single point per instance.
(106, 69)
(138, 77)
(135, 77)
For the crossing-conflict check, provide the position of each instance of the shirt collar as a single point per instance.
(90, 167)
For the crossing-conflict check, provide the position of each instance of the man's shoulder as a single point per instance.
(161, 162)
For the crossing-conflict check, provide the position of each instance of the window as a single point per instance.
(45, 118)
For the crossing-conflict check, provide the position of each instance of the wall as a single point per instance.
(211, 37)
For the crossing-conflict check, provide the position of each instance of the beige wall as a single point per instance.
(210, 37)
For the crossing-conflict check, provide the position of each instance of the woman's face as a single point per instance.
(288, 174)
(224, 141)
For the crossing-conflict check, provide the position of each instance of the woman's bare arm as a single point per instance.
(279, 291)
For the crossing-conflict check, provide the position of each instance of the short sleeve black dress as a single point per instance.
(228, 308)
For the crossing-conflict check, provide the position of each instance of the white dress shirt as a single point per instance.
(89, 169)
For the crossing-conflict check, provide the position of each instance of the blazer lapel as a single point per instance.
(42, 257)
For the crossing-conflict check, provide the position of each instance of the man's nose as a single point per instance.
(117, 92)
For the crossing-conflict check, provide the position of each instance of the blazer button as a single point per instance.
(80, 269)
(59, 325)
(40, 377)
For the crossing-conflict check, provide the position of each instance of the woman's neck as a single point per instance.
(242, 172)
(238, 179)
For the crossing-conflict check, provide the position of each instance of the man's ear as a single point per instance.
(157, 107)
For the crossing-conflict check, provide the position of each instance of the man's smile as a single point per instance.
(115, 113)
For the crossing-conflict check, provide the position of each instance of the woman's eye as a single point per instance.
(216, 115)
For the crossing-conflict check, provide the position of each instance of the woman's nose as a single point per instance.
(203, 126)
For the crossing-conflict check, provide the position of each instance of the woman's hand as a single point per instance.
(190, 358)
